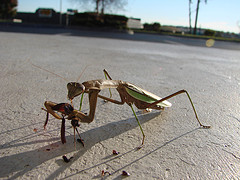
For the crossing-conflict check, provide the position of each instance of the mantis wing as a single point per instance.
(145, 96)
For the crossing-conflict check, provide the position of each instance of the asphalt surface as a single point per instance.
(175, 145)
(86, 32)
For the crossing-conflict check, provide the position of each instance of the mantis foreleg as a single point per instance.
(93, 94)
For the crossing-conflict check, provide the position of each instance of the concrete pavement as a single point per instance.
(175, 146)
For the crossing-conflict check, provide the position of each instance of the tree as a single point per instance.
(8, 8)
(196, 18)
(112, 5)
(102, 5)
(152, 27)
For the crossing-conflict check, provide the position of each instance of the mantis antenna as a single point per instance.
(82, 73)
(59, 75)
(49, 71)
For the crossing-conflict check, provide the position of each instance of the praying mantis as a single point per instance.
(129, 94)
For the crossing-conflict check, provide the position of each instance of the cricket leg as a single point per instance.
(63, 138)
(45, 124)
(49, 109)
(175, 94)
(81, 140)
(75, 124)
(49, 106)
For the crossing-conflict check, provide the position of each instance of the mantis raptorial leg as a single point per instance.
(105, 98)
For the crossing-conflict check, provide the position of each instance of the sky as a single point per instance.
(219, 15)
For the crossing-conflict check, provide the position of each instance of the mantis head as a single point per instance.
(74, 89)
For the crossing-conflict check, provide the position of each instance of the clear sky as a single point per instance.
(216, 14)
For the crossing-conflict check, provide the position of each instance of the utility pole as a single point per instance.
(190, 26)
(60, 14)
(195, 27)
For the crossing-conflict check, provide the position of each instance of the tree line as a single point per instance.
(8, 8)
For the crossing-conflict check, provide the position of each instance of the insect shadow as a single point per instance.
(27, 161)
(129, 164)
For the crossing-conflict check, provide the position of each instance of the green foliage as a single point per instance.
(8, 8)
(94, 20)
(209, 32)
(152, 27)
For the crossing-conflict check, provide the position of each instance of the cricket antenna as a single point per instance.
(49, 71)
(82, 73)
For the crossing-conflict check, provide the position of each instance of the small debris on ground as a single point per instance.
(115, 152)
(105, 172)
(124, 173)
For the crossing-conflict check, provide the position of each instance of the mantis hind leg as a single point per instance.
(175, 94)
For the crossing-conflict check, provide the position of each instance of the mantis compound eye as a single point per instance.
(74, 89)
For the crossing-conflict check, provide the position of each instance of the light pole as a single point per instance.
(190, 24)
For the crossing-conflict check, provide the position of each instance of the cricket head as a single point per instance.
(74, 116)
(68, 109)
(74, 89)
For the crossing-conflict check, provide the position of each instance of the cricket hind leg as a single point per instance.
(50, 109)
(46, 121)
(75, 124)
(175, 94)
(63, 137)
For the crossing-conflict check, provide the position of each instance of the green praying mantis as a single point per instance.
(129, 94)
